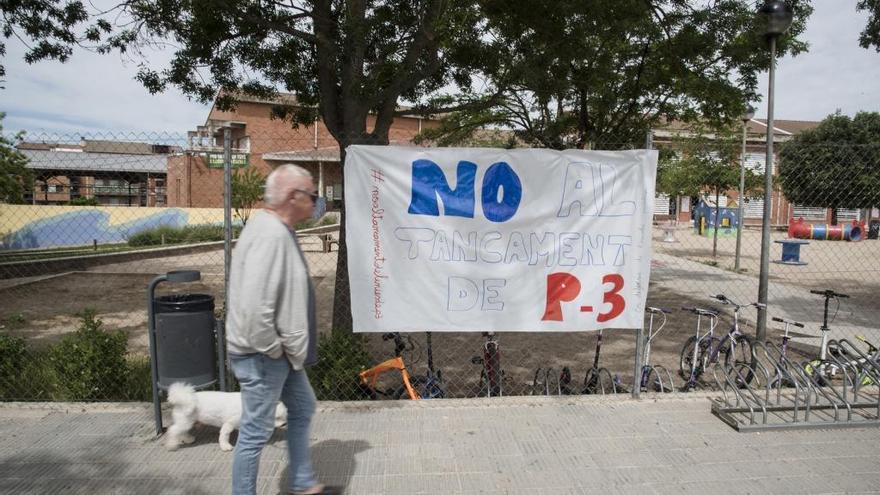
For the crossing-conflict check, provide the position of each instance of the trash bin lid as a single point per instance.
(184, 302)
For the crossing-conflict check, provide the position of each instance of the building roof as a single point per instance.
(101, 162)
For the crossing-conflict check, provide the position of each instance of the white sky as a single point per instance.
(97, 94)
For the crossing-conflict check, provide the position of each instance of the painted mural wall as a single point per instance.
(46, 226)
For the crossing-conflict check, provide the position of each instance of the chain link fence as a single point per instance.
(99, 216)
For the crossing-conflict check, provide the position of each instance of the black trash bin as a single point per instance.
(185, 340)
(874, 230)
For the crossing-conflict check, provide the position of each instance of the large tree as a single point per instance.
(15, 177)
(50, 28)
(706, 161)
(343, 59)
(871, 34)
(835, 165)
(600, 73)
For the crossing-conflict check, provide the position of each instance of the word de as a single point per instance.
(464, 294)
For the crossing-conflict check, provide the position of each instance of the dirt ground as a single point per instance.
(42, 310)
(48, 309)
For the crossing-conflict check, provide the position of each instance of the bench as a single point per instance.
(327, 242)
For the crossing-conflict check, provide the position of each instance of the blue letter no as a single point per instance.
(428, 182)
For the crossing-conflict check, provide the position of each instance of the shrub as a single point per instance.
(83, 201)
(90, 363)
(13, 354)
(139, 384)
(340, 358)
(180, 235)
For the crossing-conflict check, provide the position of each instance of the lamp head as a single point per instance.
(178, 276)
(777, 16)
(749, 113)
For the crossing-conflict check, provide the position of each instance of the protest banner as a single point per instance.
(477, 239)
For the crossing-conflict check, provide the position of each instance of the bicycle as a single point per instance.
(598, 380)
(783, 377)
(414, 386)
(655, 384)
(491, 374)
(369, 378)
(699, 351)
(823, 368)
(433, 387)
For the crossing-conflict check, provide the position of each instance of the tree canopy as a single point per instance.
(835, 165)
(14, 174)
(705, 161)
(600, 73)
(870, 36)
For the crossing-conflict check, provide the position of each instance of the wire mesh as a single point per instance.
(96, 217)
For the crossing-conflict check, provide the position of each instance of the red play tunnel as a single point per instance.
(799, 229)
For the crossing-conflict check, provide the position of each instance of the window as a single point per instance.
(754, 208)
(755, 162)
(661, 204)
(811, 212)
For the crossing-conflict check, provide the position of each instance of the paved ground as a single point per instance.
(670, 444)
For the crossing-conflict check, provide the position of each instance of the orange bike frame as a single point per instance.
(371, 376)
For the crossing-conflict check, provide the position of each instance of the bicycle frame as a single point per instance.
(491, 374)
(646, 367)
(370, 377)
(492, 365)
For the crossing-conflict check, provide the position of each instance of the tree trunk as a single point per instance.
(342, 322)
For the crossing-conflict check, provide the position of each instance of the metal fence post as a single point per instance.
(227, 249)
(640, 331)
(764, 276)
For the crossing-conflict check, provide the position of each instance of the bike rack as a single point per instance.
(667, 385)
(782, 394)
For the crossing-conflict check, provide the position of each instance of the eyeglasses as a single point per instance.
(312, 195)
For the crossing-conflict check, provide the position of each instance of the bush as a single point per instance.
(13, 354)
(340, 358)
(82, 201)
(180, 235)
(90, 364)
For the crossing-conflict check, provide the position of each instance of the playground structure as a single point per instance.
(799, 229)
(705, 222)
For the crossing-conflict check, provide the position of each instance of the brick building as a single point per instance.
(111, 173)
(195, 176)
(756, 150)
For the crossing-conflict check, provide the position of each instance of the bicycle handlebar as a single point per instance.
(790, 322)
(702, 311)
(829, 293)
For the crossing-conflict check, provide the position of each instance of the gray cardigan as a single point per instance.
(270, 294)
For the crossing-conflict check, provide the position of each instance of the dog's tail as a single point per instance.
(182, 396)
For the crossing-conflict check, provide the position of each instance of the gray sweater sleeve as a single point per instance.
(261, 277)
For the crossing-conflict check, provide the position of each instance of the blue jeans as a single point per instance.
(264, 381)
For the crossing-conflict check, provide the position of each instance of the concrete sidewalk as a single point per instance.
(558, 445)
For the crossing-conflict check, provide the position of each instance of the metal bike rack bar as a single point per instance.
(777, 393)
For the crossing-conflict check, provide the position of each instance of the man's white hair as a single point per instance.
(278, 184)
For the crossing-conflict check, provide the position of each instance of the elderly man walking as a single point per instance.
(271, 331)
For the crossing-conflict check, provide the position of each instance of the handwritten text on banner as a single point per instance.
(476, 239)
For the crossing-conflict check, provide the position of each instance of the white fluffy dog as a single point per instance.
(220, 409)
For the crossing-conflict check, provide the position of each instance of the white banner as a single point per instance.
(478, 239)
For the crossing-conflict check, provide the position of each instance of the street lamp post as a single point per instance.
(747, 116)
(778, 16)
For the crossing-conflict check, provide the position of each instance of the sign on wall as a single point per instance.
(478, 239)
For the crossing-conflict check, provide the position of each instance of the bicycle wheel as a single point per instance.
(686, 361)
(739, 357)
